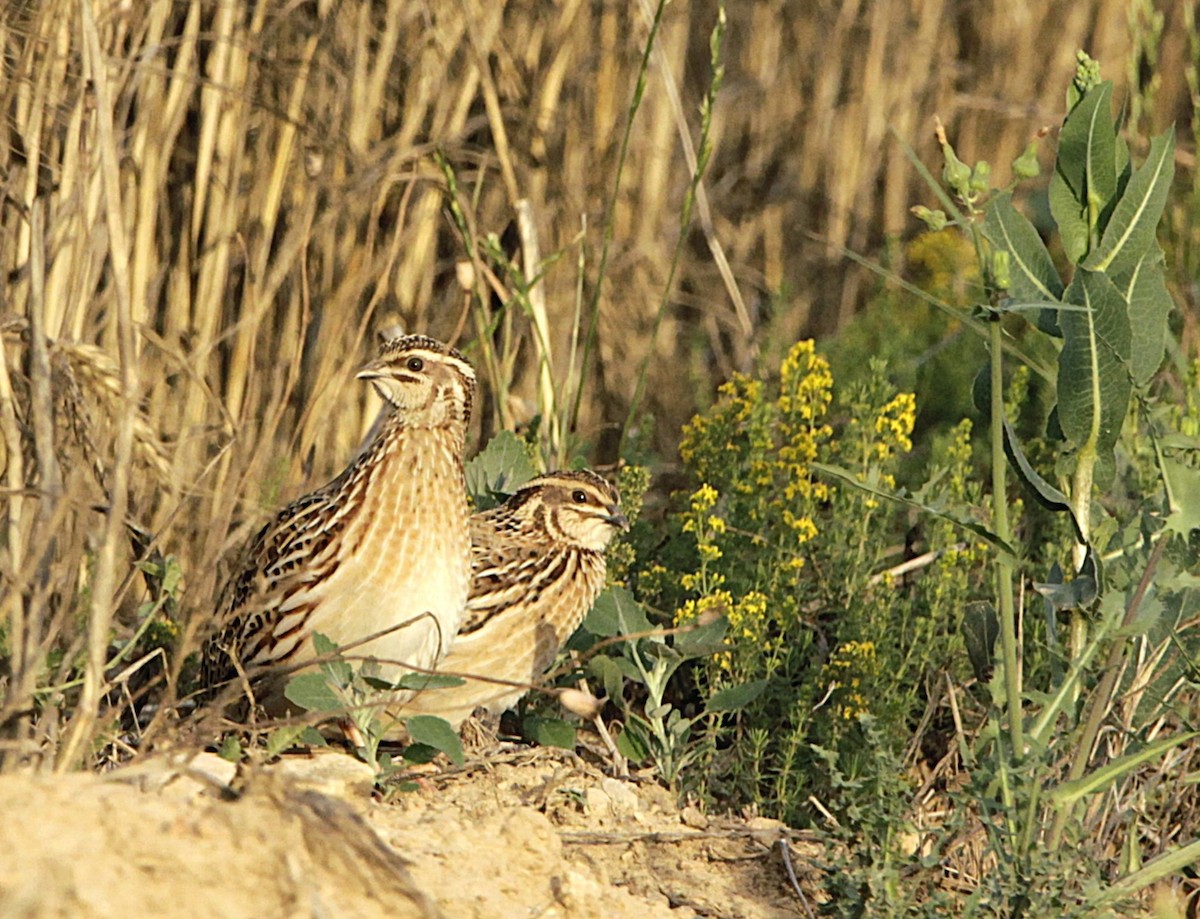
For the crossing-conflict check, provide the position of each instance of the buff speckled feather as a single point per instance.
(538, 566)
(385, 543)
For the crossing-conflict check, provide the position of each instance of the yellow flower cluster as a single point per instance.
(894, 424)
(805, 394)
(850, 670)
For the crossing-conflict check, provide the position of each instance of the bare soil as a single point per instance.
(514, 833)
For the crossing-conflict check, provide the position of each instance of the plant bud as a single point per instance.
(580, 703)
(979, 177)
(956, 174)
(1026, 165)
(1001, 269)
(935, 220)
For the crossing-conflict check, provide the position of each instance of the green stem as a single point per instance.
(1004, 565)
(1101, 700)
(1081, 507)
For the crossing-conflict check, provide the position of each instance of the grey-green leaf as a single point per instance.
(1033, 274)
(1093, 371)
(616, 612)
(421, 681)
(1071, 216)
(1145, 290)
(437, 733)
(1183, 489)
(1046, 494)
(549, 732)
(980, 628)
(734, 698)
(312, 692)
(918, 501)
(1131, 230)
(1087, 148)
(500, 468)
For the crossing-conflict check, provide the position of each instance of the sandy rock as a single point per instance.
(330, 773)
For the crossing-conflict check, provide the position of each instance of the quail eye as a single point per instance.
(415, 364)
(579, 496)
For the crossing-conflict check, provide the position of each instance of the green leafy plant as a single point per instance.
(355, 695)
(1109, 325)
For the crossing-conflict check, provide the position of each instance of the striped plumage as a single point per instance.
(538, 566)
(385, 542)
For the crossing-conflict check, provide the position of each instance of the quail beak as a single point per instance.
(371, 371)
(617, 519)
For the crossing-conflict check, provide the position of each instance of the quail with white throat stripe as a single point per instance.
(383, 548)
(538, 567)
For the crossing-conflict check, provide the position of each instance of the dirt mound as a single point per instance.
(528, 833)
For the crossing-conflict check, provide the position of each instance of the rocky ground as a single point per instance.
(517, 832)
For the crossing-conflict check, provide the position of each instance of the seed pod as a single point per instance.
(1026, 165)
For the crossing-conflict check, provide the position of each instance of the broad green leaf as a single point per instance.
(1034, 277)
(323, 644)
(608, 673)
(1134, 221)
(1183, 492)
(734, 698)
(419, 681)
(283, 738)
(981, 630)
(616, 612)
(632, 743)
(312, 692)
(419, 754)
(231, 749)
(1098, 780)
(437, 733)
(311, 737)
(500, 468)
(1144, 288)
(549, 732)
(1087, 148)
(1046, 494)
(703, 639)
(1071, 216)
(1093, 371)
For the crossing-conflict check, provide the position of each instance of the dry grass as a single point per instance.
(211, 207)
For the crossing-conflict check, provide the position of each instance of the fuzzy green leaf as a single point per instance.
(633, 743)
(1093, 371)
(609, 674)
(1144, 288)
(1183, 488)
(1071, 216)
(1046, 494)
(1087, 147)
(1157, 869)
(498, 469)
(980, 630)
(419, 681)
(312, 692)
(437, 733)
(703, 640)
(231, 749)
(1134, 221)
(549, 732)
(616, 612)
(1034, 277)
(283, 738)
(735, 698)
